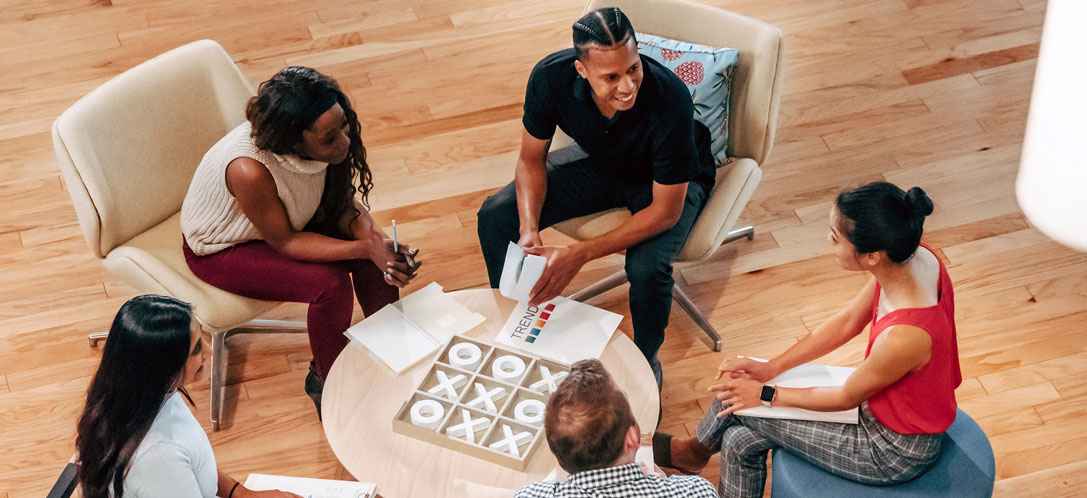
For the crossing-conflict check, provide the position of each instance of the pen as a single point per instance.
(396, 248)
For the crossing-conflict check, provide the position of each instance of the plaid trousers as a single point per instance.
(867, 452)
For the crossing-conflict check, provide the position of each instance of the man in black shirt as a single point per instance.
(638, 146)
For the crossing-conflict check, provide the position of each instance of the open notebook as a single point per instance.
(312, 488)
(403, 333)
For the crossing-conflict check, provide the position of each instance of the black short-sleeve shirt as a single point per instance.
(657, 139)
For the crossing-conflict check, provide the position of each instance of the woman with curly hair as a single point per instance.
(272, 213)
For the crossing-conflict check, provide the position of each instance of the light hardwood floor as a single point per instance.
(918, 92)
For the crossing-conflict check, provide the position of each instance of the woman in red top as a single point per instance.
(905, 388)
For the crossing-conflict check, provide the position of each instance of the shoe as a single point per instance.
(315, 385)
(662, 454)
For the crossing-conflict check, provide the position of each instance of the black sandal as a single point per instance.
(662, 453)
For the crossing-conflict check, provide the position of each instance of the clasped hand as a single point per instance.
(743, 381)
(399, 266)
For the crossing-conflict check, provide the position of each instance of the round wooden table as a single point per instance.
(362, 396)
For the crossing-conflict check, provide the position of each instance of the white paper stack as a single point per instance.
(807, 376)
(561, 330)
(403, 333)
(312, 488)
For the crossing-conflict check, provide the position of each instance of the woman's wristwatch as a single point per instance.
(769, 394)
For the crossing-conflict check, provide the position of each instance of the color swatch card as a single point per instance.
(809, 375)
(561, 330)
(403, 333)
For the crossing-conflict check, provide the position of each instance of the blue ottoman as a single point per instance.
(965, 469)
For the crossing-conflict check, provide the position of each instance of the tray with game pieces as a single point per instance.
(482, 400)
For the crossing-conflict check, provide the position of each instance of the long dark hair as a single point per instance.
(288, 104)
(881, 217)
(141, 363)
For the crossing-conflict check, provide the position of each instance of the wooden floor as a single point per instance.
(918, 92)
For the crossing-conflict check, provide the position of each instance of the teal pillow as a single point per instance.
(707, 71)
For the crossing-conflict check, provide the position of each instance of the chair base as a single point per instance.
(678, 294)
(218, 356)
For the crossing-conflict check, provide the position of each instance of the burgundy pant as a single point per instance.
(253, 269)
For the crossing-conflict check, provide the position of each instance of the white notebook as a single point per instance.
(403, 333)
(809, 375)
(312, 488)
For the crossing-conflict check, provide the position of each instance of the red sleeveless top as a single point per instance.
(921, 402)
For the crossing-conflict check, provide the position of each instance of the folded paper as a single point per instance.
(520, 272)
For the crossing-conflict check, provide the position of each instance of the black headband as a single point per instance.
(317, 108)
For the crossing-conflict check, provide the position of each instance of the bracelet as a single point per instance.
(231, 495)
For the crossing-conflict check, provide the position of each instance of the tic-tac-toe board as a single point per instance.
(482, 400)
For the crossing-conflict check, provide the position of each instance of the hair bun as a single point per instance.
(919, 203)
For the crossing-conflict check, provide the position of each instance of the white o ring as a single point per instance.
(508, 368)
(427, 413)
(465, 355)
(529, 411)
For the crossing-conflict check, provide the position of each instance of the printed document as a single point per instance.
(561, 330)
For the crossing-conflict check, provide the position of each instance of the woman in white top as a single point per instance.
(136, 437)
(277, 210)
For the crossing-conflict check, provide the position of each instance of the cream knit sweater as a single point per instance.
(211, 218)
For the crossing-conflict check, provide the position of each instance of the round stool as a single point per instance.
(966, 468)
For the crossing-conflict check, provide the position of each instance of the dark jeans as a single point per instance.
(576, 186)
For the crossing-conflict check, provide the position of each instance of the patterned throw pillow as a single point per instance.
(707, 71)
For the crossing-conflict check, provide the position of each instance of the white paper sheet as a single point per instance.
(403, 333)
(809, 375)
(311, 488)
(561, 330)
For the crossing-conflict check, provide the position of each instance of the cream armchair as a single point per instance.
(756, 92)
(128, 151)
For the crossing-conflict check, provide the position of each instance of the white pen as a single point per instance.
(396, 248)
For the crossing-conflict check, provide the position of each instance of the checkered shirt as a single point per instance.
(624, 480)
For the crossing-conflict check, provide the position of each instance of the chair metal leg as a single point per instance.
(678, 294)
(94, 337)
(218, 359)
(218, 377)
(601, 286)
(685, 302)
(740, 233)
